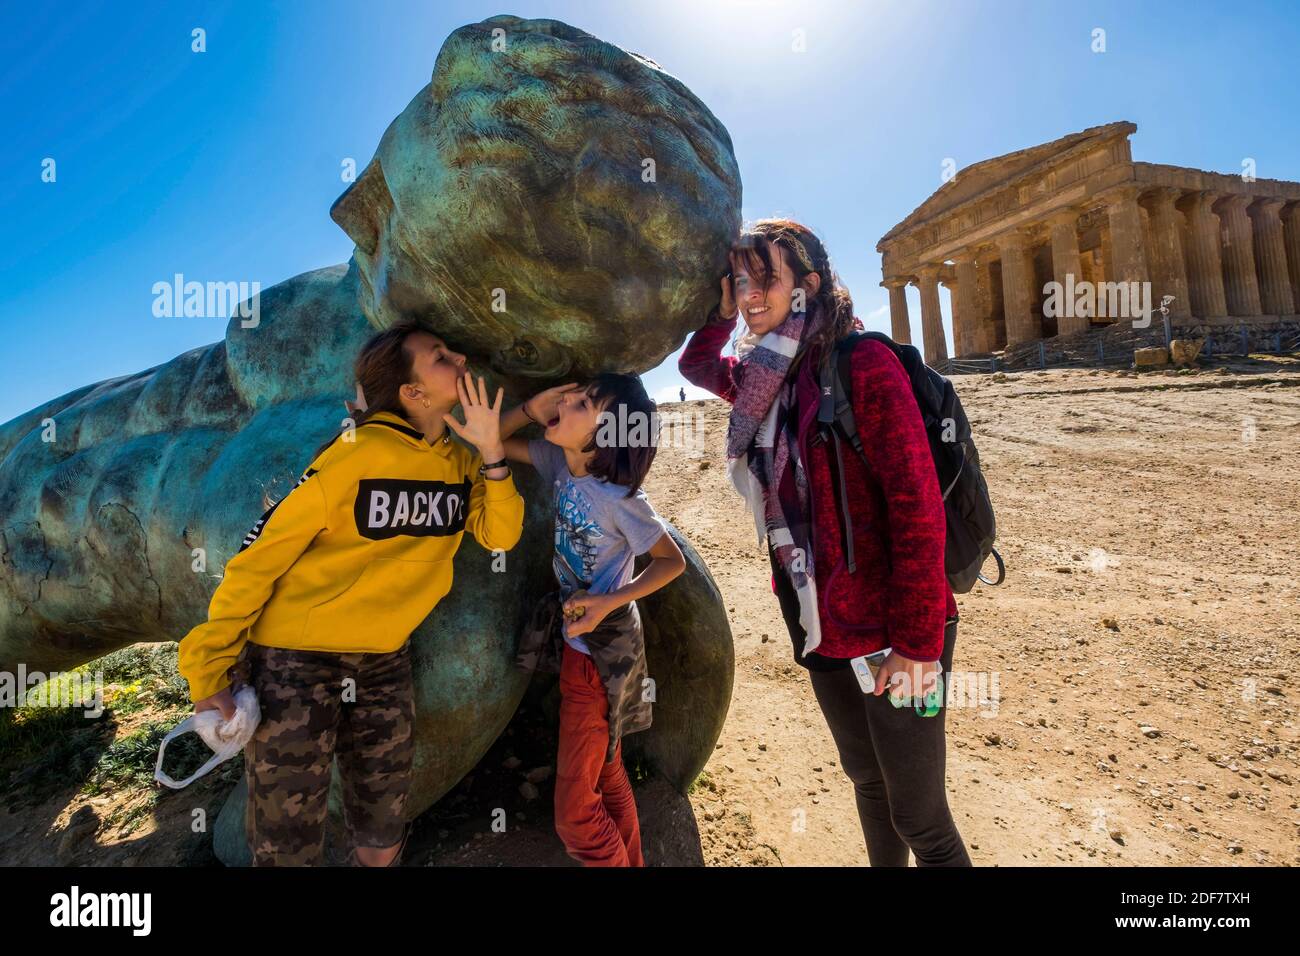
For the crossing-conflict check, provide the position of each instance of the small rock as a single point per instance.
(1185, 351)
(1153, 357)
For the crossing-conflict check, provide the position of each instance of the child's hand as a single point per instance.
(543, 407)
(482, 427)
(583, 612)
(223, 700)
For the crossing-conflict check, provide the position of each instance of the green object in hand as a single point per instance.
(927, 706)
(930, 706)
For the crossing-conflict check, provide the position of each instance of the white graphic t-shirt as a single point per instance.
(599, 531)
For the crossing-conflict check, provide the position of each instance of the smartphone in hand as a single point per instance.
(866, 666)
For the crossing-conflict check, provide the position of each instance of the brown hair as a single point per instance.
(382, 367)
(620, 462)
(804, 254)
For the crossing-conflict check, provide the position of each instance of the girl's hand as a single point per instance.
(543, 407)
(727, 304)
(908, 681)
(223, 700)
(583, 611)
(482, 427)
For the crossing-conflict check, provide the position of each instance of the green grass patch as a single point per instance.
(44, 749)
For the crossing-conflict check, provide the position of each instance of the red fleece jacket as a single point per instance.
(899, 596)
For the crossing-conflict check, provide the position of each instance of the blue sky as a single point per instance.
(222, 165)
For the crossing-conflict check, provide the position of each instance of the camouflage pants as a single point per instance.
(317, 706)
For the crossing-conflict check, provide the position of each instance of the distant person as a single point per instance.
(681, 395)
(898, 596)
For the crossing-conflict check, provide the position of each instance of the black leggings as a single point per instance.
(893, 756)
(895, 759)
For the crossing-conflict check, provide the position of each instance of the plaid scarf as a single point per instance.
(763, 455)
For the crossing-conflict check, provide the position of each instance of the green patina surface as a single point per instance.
(517, 170)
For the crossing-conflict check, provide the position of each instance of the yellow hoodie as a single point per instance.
(357, 554)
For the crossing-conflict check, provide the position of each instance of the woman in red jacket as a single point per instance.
(795, 310)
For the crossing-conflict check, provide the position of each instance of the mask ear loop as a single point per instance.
(245, 700)
(188, 725)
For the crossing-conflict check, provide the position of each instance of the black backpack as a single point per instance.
(971, 527)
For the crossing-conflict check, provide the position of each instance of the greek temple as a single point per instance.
(1046, 242)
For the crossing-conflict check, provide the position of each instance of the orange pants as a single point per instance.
(595, 810)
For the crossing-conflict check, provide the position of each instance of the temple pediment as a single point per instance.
(991, 175)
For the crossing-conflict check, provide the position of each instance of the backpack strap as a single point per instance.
(835, 419)
(843, 394)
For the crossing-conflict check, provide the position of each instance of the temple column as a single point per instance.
(935, 345)
(1204, 263)
(899, 324)
(1291, 237)
(951, 285)
(1240, 284)
(1125, 220)
(1066, 271)
(965, 310)
(1168, 265)
(1024, 324)
(1270, 248)
(985, 335)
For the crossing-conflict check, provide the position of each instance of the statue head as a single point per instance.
(550, 202)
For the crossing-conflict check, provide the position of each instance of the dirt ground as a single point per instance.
(1143, 645)
(1137, 704)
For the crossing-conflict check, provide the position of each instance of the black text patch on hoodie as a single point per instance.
(388, 507)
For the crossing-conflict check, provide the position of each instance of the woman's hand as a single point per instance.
(543, 407)
(223, 700)
(482, 427)
(583, 612)
(727, 304)
(908, 681)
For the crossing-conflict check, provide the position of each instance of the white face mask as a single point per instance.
(226, 738)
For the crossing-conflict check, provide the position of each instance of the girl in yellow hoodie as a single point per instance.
(316, 609)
